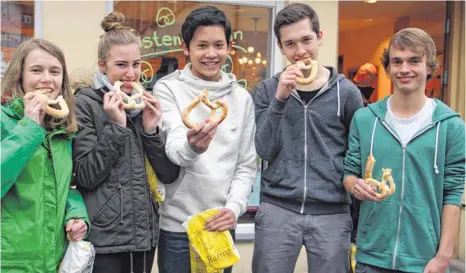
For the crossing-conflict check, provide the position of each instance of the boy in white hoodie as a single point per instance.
(218, 161)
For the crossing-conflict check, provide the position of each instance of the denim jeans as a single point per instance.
(280, 234)
(173, 252)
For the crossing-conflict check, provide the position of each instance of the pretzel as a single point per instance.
(383, 188)
(212, 105)
(130, 102)
(56, 113)
(307, 64)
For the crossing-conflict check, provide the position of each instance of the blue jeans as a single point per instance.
(173, 252)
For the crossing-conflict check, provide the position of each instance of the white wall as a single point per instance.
(75, 27)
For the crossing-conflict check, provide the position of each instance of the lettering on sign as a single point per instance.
(172, 43)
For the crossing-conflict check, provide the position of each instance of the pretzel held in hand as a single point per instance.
(384, 189)
(212, 105)
(130, 102)
(56, 113)
(307, 64)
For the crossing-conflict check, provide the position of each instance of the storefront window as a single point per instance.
(381, 20)
(159, 24)
(17, 26)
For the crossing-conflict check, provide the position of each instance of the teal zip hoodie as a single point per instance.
(403, 231)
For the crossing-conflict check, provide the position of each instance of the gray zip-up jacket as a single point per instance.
(305, 145)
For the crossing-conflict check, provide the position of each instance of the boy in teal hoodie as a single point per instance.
(422, 141)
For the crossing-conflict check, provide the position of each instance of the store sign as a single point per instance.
(165, 44)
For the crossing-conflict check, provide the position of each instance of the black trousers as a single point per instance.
(121, 262)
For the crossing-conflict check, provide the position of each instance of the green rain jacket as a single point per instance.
(37, 201)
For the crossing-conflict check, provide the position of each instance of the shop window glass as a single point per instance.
(378, 22)
(159, 24)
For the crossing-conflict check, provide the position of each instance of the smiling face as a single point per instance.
(408, 69)
(42, 72)
(207, 51)
(299, 41)
(123, 64)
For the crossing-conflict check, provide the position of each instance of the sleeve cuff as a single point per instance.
(189, 153)
(152, 133)
(236, 210)
(278, 106)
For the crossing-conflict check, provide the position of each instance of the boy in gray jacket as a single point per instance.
(302, 134)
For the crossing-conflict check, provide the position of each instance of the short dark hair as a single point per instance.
(293, 13)
(204, 16)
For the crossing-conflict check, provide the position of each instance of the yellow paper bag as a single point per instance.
(157, 189)
(215, 249)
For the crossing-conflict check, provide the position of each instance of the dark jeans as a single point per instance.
(121, 262)
(173, 252)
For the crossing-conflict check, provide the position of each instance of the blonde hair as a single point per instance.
(115, 34)
(12, 84)
(414, 39)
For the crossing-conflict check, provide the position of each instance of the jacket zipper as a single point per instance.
(121, 202)
(402, 184)
(305, 159)
(298, 98)
(149, 211)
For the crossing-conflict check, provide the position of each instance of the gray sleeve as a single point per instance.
(269, 122)
(353, 103)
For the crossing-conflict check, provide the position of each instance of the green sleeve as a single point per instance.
(352, 162)
(454, 173)
(18, 146)
(76, 209)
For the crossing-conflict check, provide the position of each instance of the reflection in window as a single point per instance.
(17, 26)
(381, 20)
(159, 24)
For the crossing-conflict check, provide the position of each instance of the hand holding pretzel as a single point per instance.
(34, 108)
(287, 82)
(151, 114)
(113, 107)
(384, 189)
(199, 137)
(308, 64)
(63, 110)
(212, 105)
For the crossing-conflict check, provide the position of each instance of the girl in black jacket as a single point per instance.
(109, 155)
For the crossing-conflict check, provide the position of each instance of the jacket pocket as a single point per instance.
(269, 173)
(377, 229)
(110, 211)
(197, 193)
(417, 233)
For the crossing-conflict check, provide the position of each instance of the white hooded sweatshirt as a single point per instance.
(225, 173)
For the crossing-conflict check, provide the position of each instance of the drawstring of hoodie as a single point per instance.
(436, 149)
(131, 261)
(436, 143)
(373, 134)
(338, 98)
(144, 270)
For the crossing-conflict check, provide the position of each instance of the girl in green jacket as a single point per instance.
(38, 207)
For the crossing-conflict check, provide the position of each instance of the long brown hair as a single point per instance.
(12, 82)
